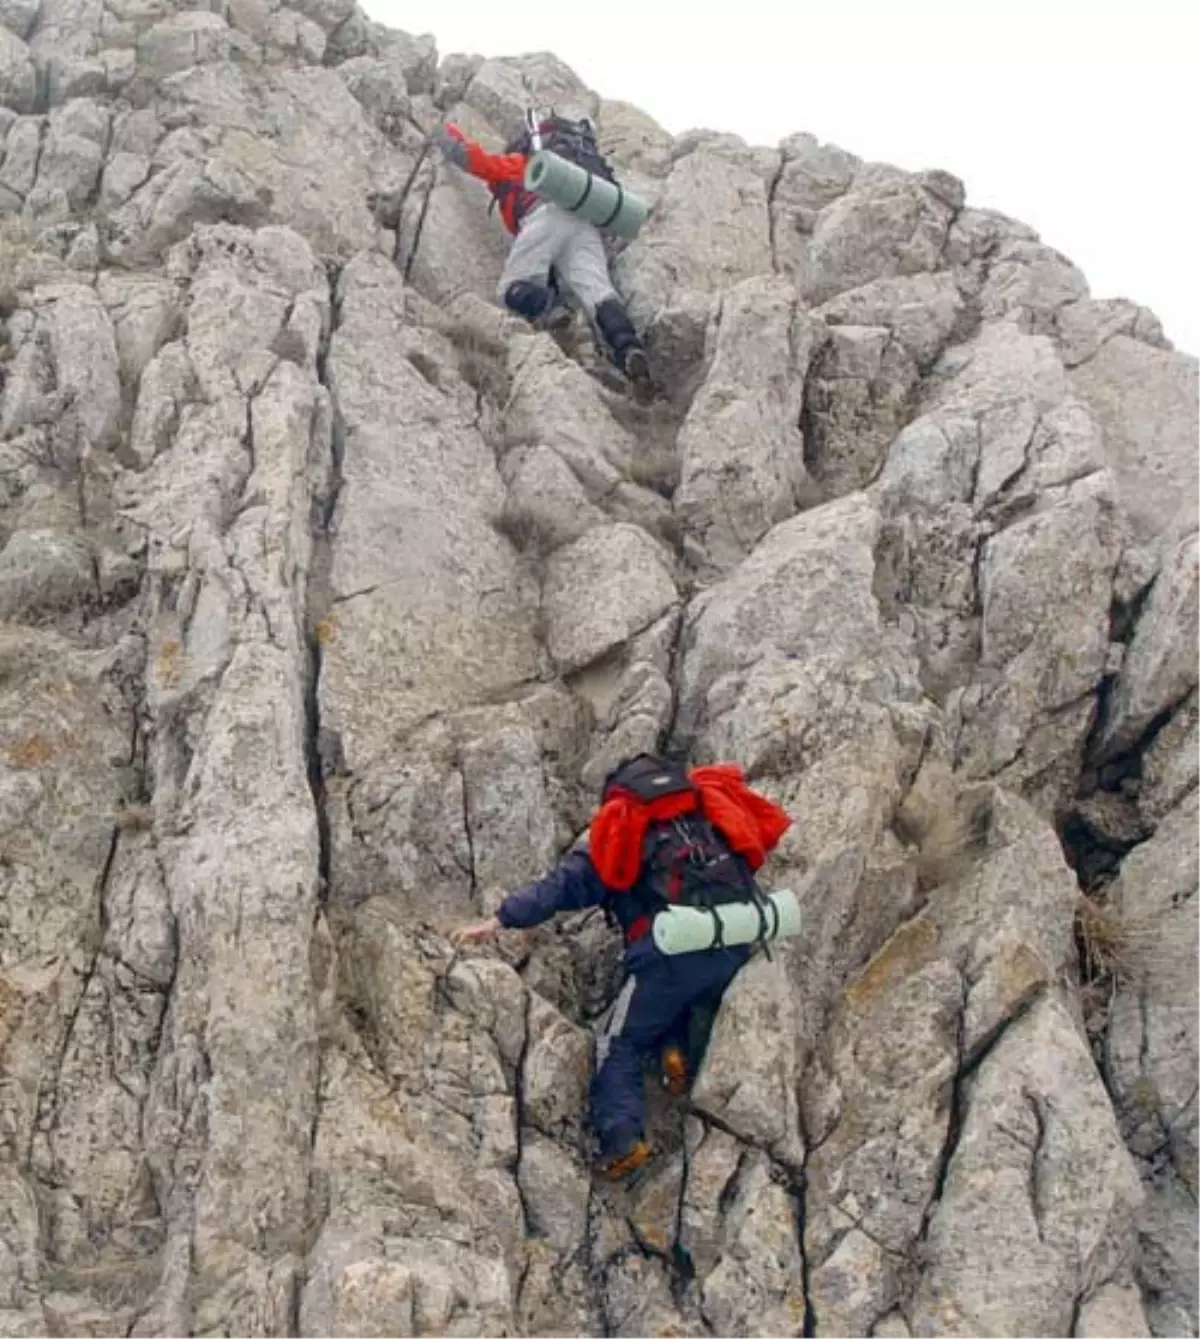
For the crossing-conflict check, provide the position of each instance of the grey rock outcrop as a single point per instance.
(329, 592)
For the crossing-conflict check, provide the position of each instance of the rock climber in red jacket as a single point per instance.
(552, 245)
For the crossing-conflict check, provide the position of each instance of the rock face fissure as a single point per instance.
(329, 594)
(321, 751)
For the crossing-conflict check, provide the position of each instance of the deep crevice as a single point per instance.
(799, 1191)
(1036, 1105)
(519, 1099)
(1095, 853)
(469, 838)
(671, 741)
(417, 231)
(324, 508)
(772, 188)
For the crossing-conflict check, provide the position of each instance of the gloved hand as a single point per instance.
(452, 149)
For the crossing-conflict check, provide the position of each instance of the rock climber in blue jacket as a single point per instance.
(662, 835)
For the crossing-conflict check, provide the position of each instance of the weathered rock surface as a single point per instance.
(1143, 399)
(741, 450)
(18, 77)
(329, 593)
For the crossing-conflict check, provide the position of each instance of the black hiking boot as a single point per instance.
(612, 320)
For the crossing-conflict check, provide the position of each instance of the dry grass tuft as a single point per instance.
(1121, 948)
(134, 818)
(656, 469)
(482, 360)
(951, 840)
(120, 1283)
(1101, 938)
(326, 630)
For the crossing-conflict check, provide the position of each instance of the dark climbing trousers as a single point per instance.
(651, 1009)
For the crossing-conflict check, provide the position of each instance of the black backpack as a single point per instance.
(685, 860)
(573, 140)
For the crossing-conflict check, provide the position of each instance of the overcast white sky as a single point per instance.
(1078, 118)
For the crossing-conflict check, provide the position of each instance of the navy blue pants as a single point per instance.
(652, 1008)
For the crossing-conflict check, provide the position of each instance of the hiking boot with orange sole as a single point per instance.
(674, 1070)
(617, 1169)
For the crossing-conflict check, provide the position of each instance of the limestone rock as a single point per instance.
(634, 140)
(742, 454)
(878, 229)
(18, 81)
(1002, 517)
(1083, 327)
(830, 623)
(546, 504)
(757, 1284)
(501, 89)
(1145, 401)
(328, 14)
(553, 402)
(448, 243)
(749, 1077)
(41, 572)
(417, 561)
(71, 159)
(858, 398)
(1152, 1031)
(1114, 1310)
(1037, 1139)
(617, 578)
(21, 149)
(709, 230)
(1032, 573)
(83, 346)
(949, 981)
(182, 41)
(921, 311)
(123, 175)
(812, 176)
(1160, 668)
(1031, 283)
(18, 16)
(1171, 763)
(143, 314)
(554, 1188)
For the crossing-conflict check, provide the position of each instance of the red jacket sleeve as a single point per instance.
(494, 168)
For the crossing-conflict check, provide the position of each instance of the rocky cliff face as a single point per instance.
(327, 590)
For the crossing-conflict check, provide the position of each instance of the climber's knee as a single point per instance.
(527, 299)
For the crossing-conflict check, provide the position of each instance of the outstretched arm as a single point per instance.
(573, 886)
(472, 157)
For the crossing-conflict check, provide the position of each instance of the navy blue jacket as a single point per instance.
(573, 886)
